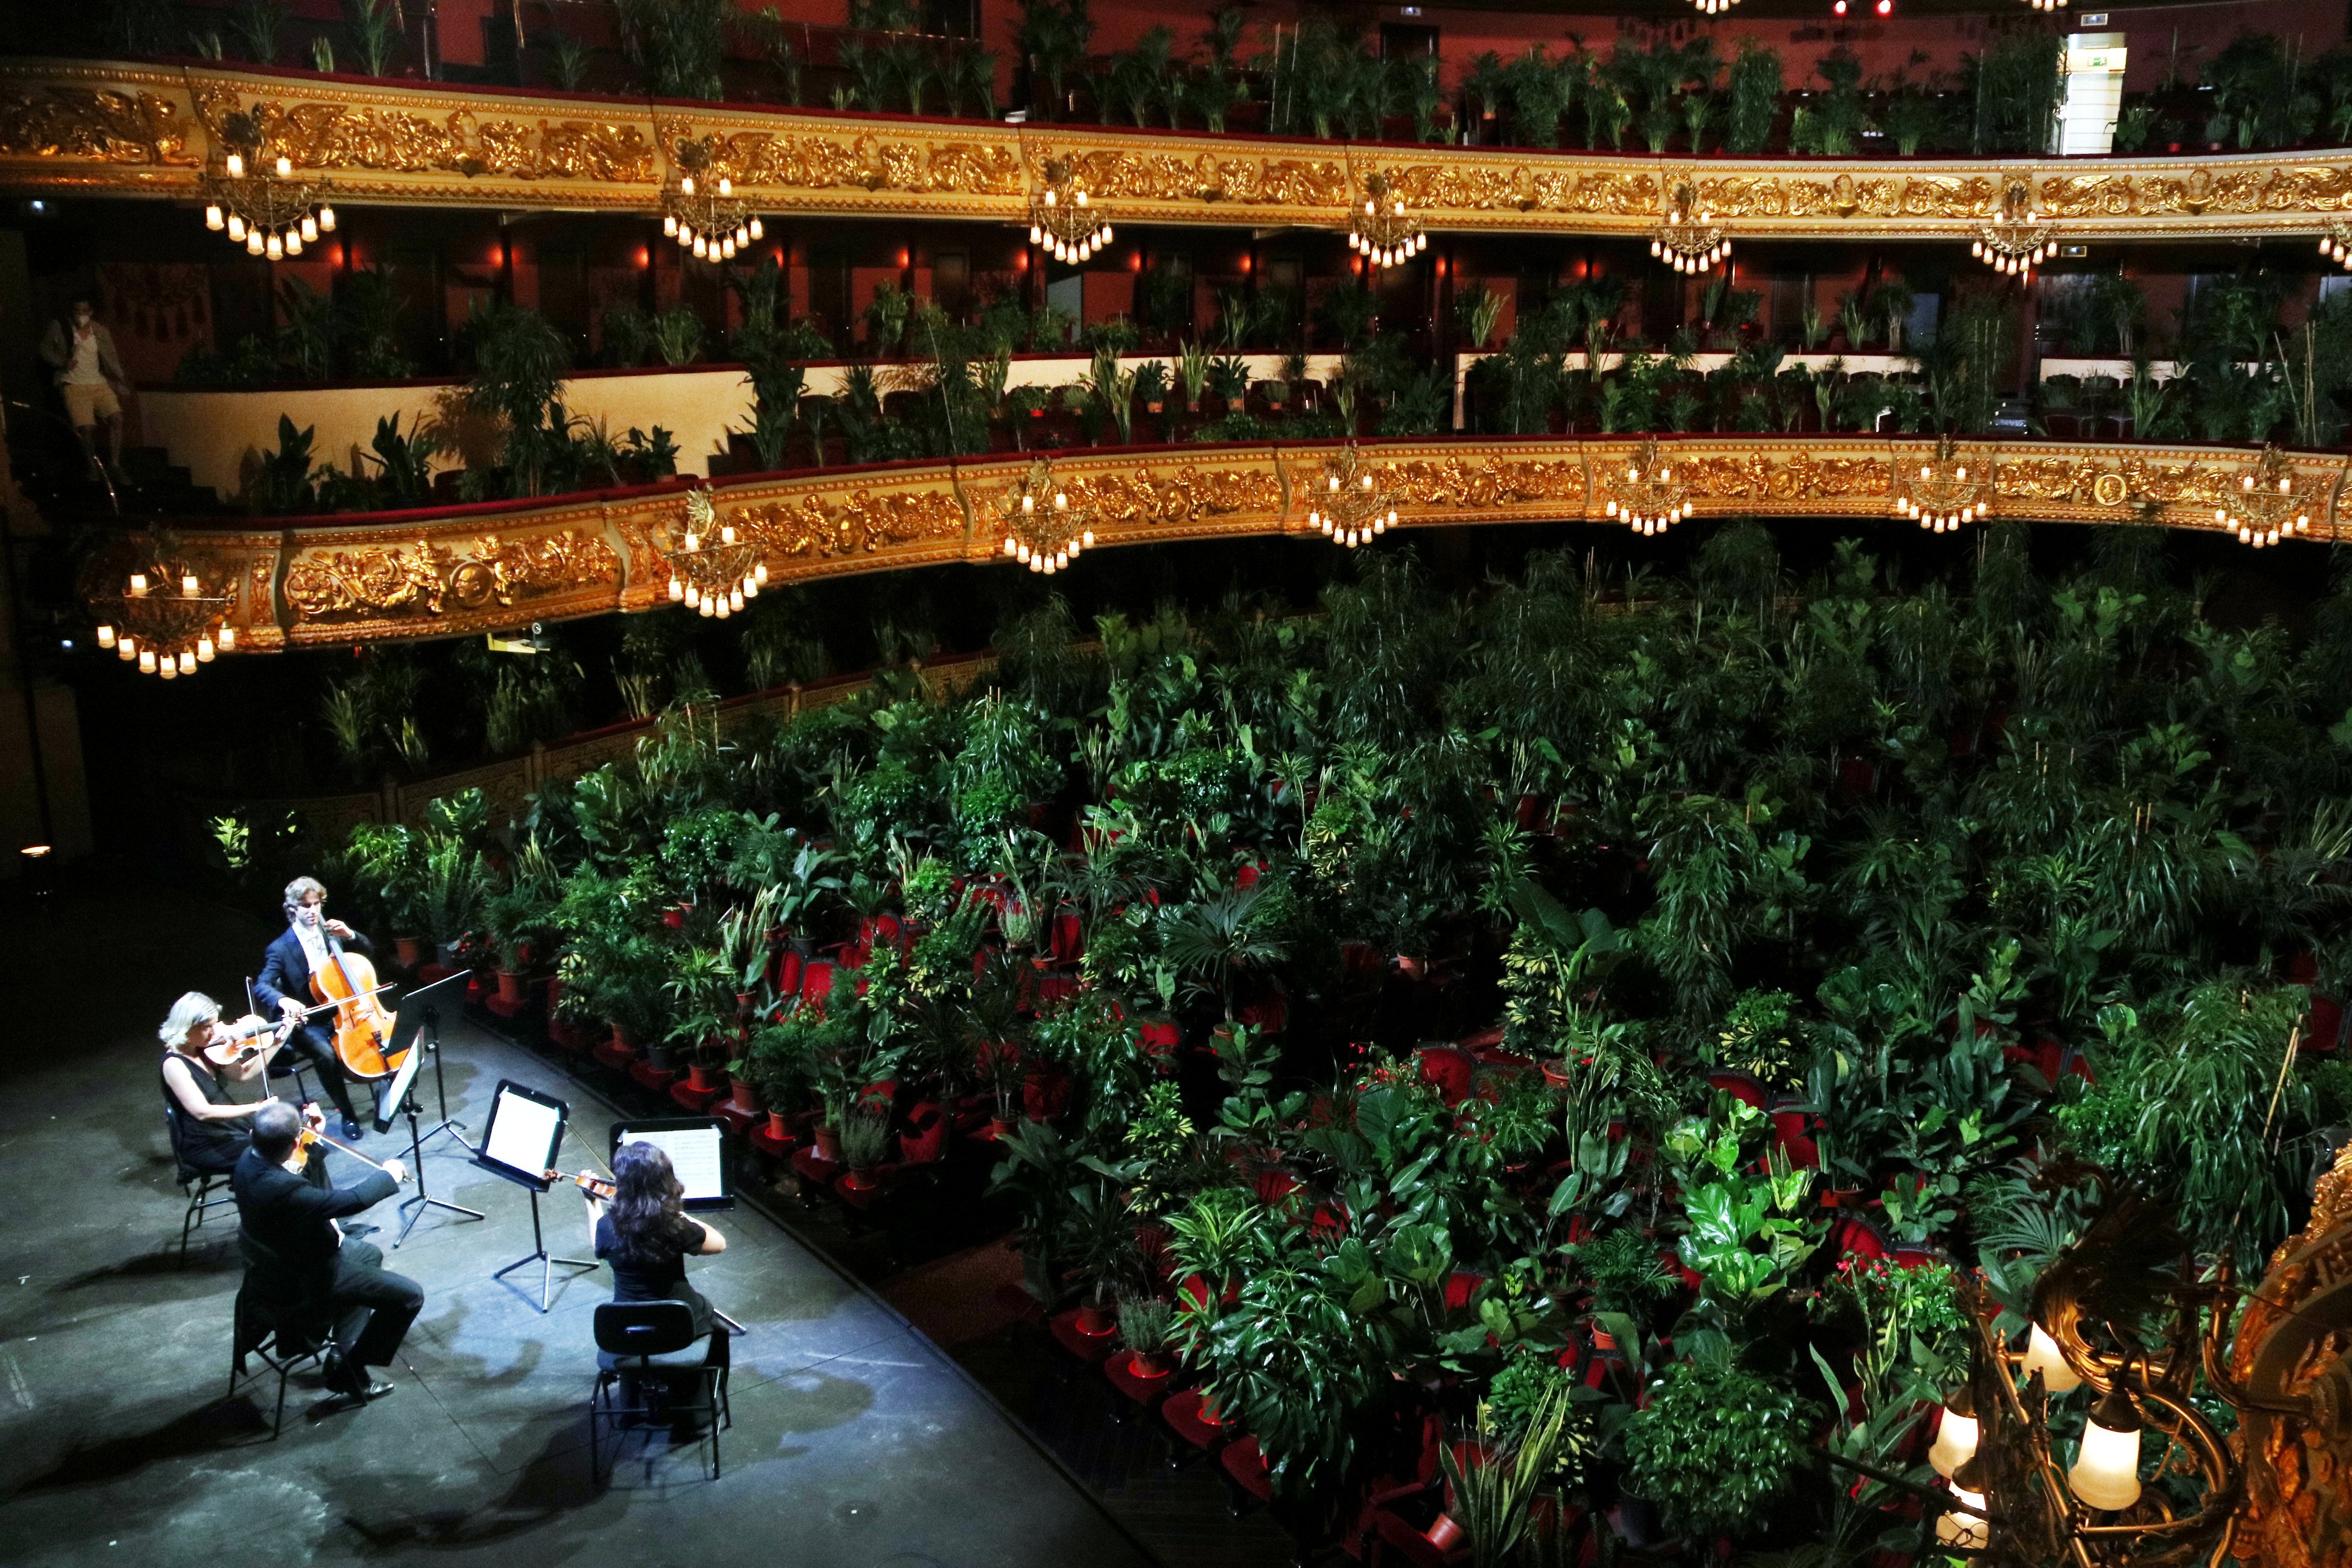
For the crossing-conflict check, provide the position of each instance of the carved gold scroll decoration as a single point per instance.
(430, 578)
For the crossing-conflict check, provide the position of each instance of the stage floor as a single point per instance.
(855, 1440)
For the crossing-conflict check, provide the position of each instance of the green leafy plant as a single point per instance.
(1716, 1445)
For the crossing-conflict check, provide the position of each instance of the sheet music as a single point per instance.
(522, 1135)
(695, 1153)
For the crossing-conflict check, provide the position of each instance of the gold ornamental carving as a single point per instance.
(337, 135)
(77, 126)
(2292, 1359)
(860, 524)
(1186, 496)
(432, 579)
(345, 579)
(104, 124)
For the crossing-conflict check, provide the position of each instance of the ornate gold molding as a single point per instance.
(93, 126)
(328, 580)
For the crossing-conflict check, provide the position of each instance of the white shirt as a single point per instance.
(313, 939)
(82, 369)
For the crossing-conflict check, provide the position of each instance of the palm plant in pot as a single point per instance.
(864, 1139)
(517, 917)
(704, 1020)
(391, 858)
(450, 887)
(1097, 1242)
(1145, 1325)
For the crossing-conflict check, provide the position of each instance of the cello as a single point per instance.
(362, 1028)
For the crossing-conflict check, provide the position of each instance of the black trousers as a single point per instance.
(372, 1308)
(317, 1046)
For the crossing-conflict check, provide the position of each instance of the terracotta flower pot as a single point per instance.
(697, 1078)
(828, 1143)
(1092, 1321)
(1555, 1073)
(743, 1094)
(1150, 1364)
(511, 987)
(622, 1042)
(1001, 1127)
(410, 950)
(778, 1128)
(1446, 1534)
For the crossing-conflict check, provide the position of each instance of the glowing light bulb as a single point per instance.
(326, 219)
(253, 242)
(234, 166)
(227, 640)
(236, 229)
(310, 229)
(669, 225)
(105, 636)
(2106, 1472)
(2041, 1355)
(758, 229)
(677, 591)
(285, 167)
(213, 218)
(275, 249)
(686, 184)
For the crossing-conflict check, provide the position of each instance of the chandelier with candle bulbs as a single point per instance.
(1687, 238)
(163, 617)
(1942, 494)
(2019, 238)
(1044, 529)
(2336, 244)
(2262, 506)
(1381, 229)
(700, 210)
(2126, 1339)
(1062, 218)
(713, 567)
(1644, 495)
(1351, 507)
(257, 202)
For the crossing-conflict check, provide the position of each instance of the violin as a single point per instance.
(227, 1047)
(362, 1028)
(594, 1186)
(314, 1131)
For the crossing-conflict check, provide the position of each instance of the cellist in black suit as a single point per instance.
(285, 984)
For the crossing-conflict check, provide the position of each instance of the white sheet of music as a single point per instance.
(694, 1153)
(522, 1135)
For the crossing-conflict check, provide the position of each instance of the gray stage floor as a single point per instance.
(855, 1440)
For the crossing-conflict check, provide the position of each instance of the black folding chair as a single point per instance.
(199, 1185)
(652, 1345)
(284, 1334)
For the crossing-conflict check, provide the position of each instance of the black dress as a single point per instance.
(208, 1146)
(655, 1274)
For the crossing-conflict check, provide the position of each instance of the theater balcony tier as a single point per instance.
(441, 572)
(97, 128)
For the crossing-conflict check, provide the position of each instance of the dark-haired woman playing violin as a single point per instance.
(645, 1234)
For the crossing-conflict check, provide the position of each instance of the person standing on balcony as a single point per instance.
(90, 375)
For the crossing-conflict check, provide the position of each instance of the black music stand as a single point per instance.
(520, 1142)
(417, 1027)
(697, 1147)
(398, 1096)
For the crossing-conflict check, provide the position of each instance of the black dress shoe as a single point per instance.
(352, 1133)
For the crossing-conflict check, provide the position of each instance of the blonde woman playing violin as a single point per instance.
(199, 1053)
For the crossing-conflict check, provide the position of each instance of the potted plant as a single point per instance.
(700, 990)
(391, 858)
(515, 920)
(1098, 1245)
(450, 888)
(1145, 1323)
(864, 1138)
(1708, 1475)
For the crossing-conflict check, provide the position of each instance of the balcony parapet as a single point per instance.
(98, 128)
(445, 572)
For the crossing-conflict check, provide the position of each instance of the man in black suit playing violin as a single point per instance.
(299, 951)
(287, 1214)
